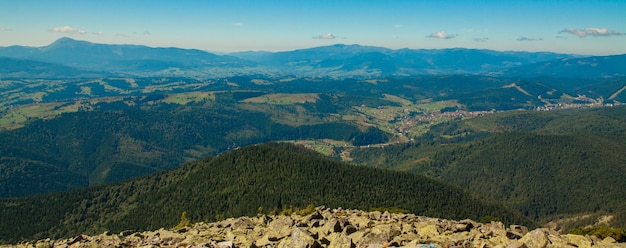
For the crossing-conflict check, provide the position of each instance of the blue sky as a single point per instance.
(580, 27)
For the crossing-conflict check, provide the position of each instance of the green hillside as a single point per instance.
(541, 163)
(239, 182)
(76, 150)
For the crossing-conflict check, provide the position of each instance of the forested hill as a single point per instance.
(541, 163)
(240, 182)
(76, 150)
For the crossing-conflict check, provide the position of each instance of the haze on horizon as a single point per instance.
(575, 27)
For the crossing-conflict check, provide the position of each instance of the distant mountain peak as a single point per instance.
(66, 42)
(65, 39)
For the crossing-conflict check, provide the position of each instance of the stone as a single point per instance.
(168, 235)
(263, 241)
(428, 231)
(376, 215)
(357, 236)
(331, 226)
(517, 231)
(225, 244)
(126, 233)
(360, 222)
(609, 240)
(417, 244)
(242, 223)
(342, 241)
(79, 239)
(404, 239)
(370, 239)
(516, 244)
(502, 241)
(315, 216)
(386, 216)
(299, 239)
(535, 239)
(391, 230)
(279, 228)
(578, 240)
(350, 229)
(314, 223)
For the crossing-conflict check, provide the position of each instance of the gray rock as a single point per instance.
(225, 244)
(360, 222)
(578, 240)
(516, 244)
(376, 215)
(279, 228)
(343, 241)
(299, 239)
(349, 229)
(370, 239)
(535, 239)
(517, 231)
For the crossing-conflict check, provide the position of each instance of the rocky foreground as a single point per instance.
(336, 228)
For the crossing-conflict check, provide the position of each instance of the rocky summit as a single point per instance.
(336, 228)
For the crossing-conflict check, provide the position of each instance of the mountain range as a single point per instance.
(111, 137)
(338, 61)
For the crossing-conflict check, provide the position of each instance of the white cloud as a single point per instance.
(441, 35)
(481, 39)
(3, 29)
(146, 33)
(97, 33)
(326, 36)
(122, 35)
(596, 32)
(528, 39)
(398, 26)
(237, 24)
(67, 30)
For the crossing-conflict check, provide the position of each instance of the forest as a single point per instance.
(544, 164)
(246, 181)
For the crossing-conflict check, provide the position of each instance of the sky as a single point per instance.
(574, 27)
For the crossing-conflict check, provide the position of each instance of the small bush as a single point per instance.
(308, 210)
(184, 221)
(489, 219)
(602, 232)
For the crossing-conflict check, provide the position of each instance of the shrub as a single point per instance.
(619, 234)
(184, 221)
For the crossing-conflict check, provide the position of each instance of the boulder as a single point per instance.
(428, 231)
(517, 231)
(225, 244)
(391, 230)
(342, 241)
(578, 240)
(373, 239)
(350, 229)
(360, 222)
(376, 215)
(279, 228)
(299, 238)
(535, 239)
(516, 244)
(331, 226)
(242, 223)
